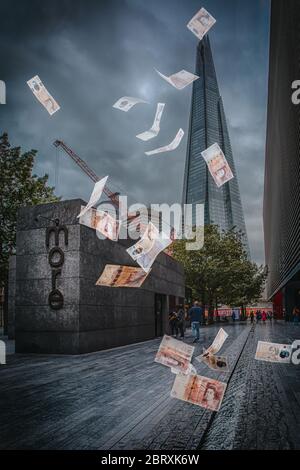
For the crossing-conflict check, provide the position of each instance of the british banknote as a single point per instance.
(199, 390)
(217, 342)
(180, 79)
(175, 354)
(146, 250)
(217, 363)
(191, 370)
(217, 165)
(127, 102)
(273, 352)
(201, 23)
(155, 128)
(102, 222)
(121, 276)
(168, 148)
(95, 196)
(42, 94)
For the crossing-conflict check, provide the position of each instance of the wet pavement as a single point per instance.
(120, 399)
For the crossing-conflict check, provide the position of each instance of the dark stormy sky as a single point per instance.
(89, 53)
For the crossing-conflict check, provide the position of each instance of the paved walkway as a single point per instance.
(261, 409)
(120, 399)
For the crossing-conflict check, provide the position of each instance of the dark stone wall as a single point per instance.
(92, 317)
(11, 297)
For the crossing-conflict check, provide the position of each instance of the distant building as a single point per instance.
(223, 205)
(282, 166)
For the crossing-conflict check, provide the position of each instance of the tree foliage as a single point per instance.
(18, 187)
(221, 273)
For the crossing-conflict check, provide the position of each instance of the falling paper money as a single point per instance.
(217, 342)
(89, 218)
(190, 371)
(95, 196)
(201, 23)
(126, 103)
(175, 354)
(273, 352)
(217, 165)
(102, 222)
(145, 251)
(155, 128)
(215, 346)
(108, 225)
(199, 390)
(219, 363)
(43, 95)
(121, 276)
(180, 79)
(168, 148)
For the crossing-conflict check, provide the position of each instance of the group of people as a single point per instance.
(182, 316)
(261, 315)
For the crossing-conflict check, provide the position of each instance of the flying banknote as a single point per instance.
(95, 196)
(155, 128)
(201, 23)
(168, 148)
(217, 165)
(42, 94)
(180, 79)
(127, 102)
(199, 390)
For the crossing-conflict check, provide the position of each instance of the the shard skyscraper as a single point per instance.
(223, 205)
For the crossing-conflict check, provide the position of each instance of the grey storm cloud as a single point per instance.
(90, 53)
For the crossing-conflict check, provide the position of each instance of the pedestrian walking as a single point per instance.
(180, 320)
(258, 315)
(233, 315)
(251, 316)
(296, 314)
(173, 323)
(263, 316)
(269, 316)
(196, 317)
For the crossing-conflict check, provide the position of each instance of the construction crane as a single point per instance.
(114, 197)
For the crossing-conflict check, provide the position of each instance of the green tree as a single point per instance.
(220, 272)
(248, 289)
(18, 187)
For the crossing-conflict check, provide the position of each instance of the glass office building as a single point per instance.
(223, 205)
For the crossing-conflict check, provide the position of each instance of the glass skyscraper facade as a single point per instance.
(223, 205)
